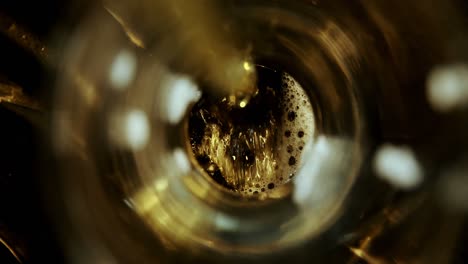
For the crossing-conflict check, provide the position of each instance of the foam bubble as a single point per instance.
(296, 130)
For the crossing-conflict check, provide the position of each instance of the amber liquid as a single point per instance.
(255, 147)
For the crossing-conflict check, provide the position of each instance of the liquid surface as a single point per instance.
(254, 147)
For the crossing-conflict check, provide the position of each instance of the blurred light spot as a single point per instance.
(161, 184)
(453, 188)
(326, 166)
(247, 66)
(123, 70)
(129, 203)
(447, 87)
(305, 182)
(181, 91)
(130, 129)
(182, 160)
(243, 103)
(224, 222)
(137, 129)
(398, 166)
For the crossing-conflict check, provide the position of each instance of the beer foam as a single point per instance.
(295, 129)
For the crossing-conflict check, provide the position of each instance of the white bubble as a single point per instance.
(137, 129)
(447, 87)
(180, 92)
(398, 166)
(305, 182)
(225, 222)
(130, 129)
(322, 170)
(123, 70)
(182, 160)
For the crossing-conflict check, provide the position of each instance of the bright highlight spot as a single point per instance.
(325, 177)
(307, 181)
(243, 103)
(181, 160)
(224, 222)
(180, 92)
(130, 129)
(447, 87)
(137, 129)
(123, 70)
(398, 166)
(247, 66)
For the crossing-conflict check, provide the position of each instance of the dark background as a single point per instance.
(24, 222)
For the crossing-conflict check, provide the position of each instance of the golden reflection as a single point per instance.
(195, 27)
(174, 203)
(87, 89)
(175, 223)
(132, 35)
(23, 38)
(13, 94)
(365, 256)
(13, 245)
(12, 251)
(340, 47)
(216, 145)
